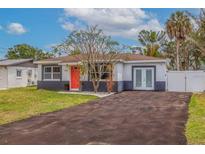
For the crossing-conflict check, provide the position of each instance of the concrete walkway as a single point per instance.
(98, 94)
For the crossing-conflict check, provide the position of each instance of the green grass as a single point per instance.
(21, 103)
(195, 128)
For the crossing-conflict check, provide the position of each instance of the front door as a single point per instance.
(75, 78)
(143, 78)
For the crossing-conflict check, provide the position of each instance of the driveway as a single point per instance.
(132, 117)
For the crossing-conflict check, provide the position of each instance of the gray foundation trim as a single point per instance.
(52, 85)
(88, 86)
(127, 85)
(160, 86)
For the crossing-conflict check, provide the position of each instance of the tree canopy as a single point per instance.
(152, 42)
(96, 51)
(26, 51)
(178, 27)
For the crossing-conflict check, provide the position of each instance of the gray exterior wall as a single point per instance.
(160, 86)
(128, 85)
(88, 86)
(52, 85)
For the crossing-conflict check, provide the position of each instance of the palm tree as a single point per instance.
(178, 27)
(151, 41)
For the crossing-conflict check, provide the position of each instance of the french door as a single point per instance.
(143, 78)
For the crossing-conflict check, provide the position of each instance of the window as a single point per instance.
(52, 72)
(29, 73)
(103, 74)
(56, 72)
(18, 73)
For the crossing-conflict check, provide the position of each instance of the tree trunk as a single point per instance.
(110, 84)
(187, 59)
(95, 85)
(177, 54)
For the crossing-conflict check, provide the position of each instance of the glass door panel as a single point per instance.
(149, 81)
(138, 78)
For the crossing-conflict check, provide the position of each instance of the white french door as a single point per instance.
(143, 78)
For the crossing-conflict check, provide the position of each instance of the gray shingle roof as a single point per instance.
(125, 57)
(8, 62)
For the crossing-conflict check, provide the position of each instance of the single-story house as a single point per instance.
(131, 72)
(17, 73)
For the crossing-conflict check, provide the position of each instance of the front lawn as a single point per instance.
(21, 103)
(195, 128)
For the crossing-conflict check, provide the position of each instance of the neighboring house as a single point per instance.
(132, 72)
(17, 73)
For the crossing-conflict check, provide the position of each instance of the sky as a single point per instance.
(44, 28)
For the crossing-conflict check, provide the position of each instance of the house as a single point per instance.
(131, 72)
(17, 73)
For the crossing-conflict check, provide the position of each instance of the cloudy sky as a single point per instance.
(44, 28)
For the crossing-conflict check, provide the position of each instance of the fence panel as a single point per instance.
(175, 81)
(186, 81)
(195, 81)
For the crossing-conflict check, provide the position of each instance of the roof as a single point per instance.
(134, 57)
(126, 57)
(9, 62)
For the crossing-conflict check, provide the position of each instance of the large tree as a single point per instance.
(98, 53)
(198, 35)
(190, 56)
(26, 51)
(178, 27)
(152, 41)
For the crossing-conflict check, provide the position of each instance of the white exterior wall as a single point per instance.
(118, 72)
(3, 78)
(84, 77)
(39, 71)
(14, 81)
(65, 73)
(160, 70)
(122, 71)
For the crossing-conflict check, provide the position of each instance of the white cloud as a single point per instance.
(125, 23)
(50, 46)
(16, 28)
(68, 26)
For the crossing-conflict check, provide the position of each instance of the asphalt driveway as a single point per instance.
(132, 117)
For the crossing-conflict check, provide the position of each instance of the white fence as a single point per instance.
(186, 81)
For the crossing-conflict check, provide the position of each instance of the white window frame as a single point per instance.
(143, 80)
(19, 77)
(52, 73)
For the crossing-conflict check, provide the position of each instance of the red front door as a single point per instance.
(75, 77)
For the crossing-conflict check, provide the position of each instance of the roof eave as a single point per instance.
(47, 62)
(17, 63)
(146, 61)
